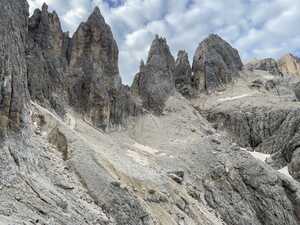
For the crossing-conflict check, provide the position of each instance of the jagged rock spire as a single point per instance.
(215, 64)
(155, 83)
(183, 74)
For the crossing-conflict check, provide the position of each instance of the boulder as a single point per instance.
(155, 82)
(215, 64)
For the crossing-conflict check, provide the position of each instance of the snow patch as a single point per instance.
(138, 158)
(285, 171)
(263, 157)
(260, 156)
(145, 148)
(233, 98)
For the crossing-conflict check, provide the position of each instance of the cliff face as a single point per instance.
(183, 74)
(155, 81)
(81, 71)
(215, 64)
(47, 59)
(290, 64)
(13, 70)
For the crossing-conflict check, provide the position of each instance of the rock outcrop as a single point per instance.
(183, 74)
(155, 81)
(93, 80)
(13, 70)
(215, 64)
(81, 71)
(47, 59)
(289, 64)
(297, 90)
(270, 65)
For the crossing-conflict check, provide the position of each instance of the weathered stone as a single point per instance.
(289, 64)
(93, 80)
(215, 64)
(13, 70)
(155, 82)
(183, 74)
(47, 59)
(270, 65)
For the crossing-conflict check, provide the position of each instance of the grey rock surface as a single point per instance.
(13, 70)
(155, 81)
(289, 64)
(93, 80)
(47, 59)
(268, 64)
(183, 74)
(215, 64)
(81, 72)
(260, 120)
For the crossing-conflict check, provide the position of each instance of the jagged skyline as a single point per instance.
(256, 28)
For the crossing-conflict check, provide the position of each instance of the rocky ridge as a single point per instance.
(270, 65)
(168, 165)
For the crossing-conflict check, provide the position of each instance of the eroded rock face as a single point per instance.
(155, 82)
(47, 59)
(93, 80)
(270, 65)
(183, 74)
(290, 64)
(215, 64)
(13, 69)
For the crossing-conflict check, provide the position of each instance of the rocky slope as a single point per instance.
(168, 164)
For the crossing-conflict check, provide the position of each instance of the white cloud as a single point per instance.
(258, 28)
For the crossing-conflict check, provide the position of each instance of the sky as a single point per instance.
(257, 28)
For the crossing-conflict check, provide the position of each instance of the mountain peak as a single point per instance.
(44, 7)
(96, 16)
